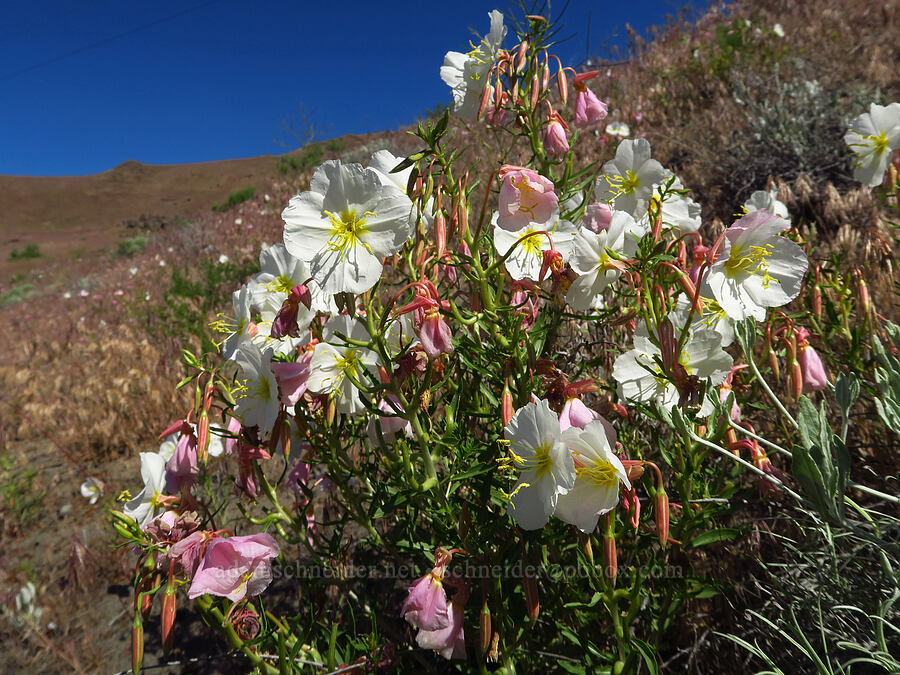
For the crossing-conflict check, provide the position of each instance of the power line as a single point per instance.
(106, 41)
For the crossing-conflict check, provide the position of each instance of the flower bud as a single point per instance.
(485, 99)
(246, 623)
(610, 557)
(484, 632)
(796, 379)
(203, 436)
(506, 405)
(661, 507)
(773, 364)
(534, 91)
(168, 612)
(817, 295)
(812, 369)
(521, 57)
(137, 644)
(532, 601)
(862, 290)
(562, 85)
(545, 77)
(440, 233)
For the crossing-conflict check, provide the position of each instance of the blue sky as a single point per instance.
(88, 84)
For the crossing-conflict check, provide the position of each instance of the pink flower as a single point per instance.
(811, 366)
(189, 552)
(576, 414)
(555, 141)
(298, 477)
(182, 468)
(526, 197)
(449, 641)
(233, 427)
(292, 378)
(426, 604)
(390, 423)
(247, 479)
(597, 217)
(235, 567)
(433, 332)
(588, 108)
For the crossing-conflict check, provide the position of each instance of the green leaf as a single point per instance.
(714, 536)
(648, 654)
(846, 391)
(745, 331)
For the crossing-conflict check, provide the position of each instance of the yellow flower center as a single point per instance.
(542, 460)
(750, 260)
(282, 284)
(532, 244)
(623, 185)
(347, 230)
(599, 474)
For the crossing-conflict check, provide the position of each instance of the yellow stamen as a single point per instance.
(347, 230)
(600, 474)
(751, 261)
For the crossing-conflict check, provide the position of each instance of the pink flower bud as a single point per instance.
(182, 468)
(576, 414)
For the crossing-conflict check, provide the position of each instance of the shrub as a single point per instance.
(30, 251)
(131, 246)
(235, 198)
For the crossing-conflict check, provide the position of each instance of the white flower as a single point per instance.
(143, 508)
(67, 295)
(345, 225)
(238, 221)
(757, 268)
(383, 162)
(628, 181)
(778, 30)
(133, 271)
(678, 210)
(239, 329)
(528, 254)
(285, 346)
(92, 489)
(618, 129)
(598, 473)
(767, 200)
(466, 74)
(592, 263)
(269, 288)
(641, 379)
(710, 317)
(83, 293)
(223, 259)
(872, 137)
(334, 367)
(256, 402)
(548, 470)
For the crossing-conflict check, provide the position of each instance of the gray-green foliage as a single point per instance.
(887, 377)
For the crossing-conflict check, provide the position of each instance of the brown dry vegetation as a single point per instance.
(96, 373)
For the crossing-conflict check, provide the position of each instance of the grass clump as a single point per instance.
(235, 198)
(30, 251)
(132, 246)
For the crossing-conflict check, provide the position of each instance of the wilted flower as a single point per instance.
(556, 143)
(811, 366)
(449, 641)
(588, 108)
(425, 606)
